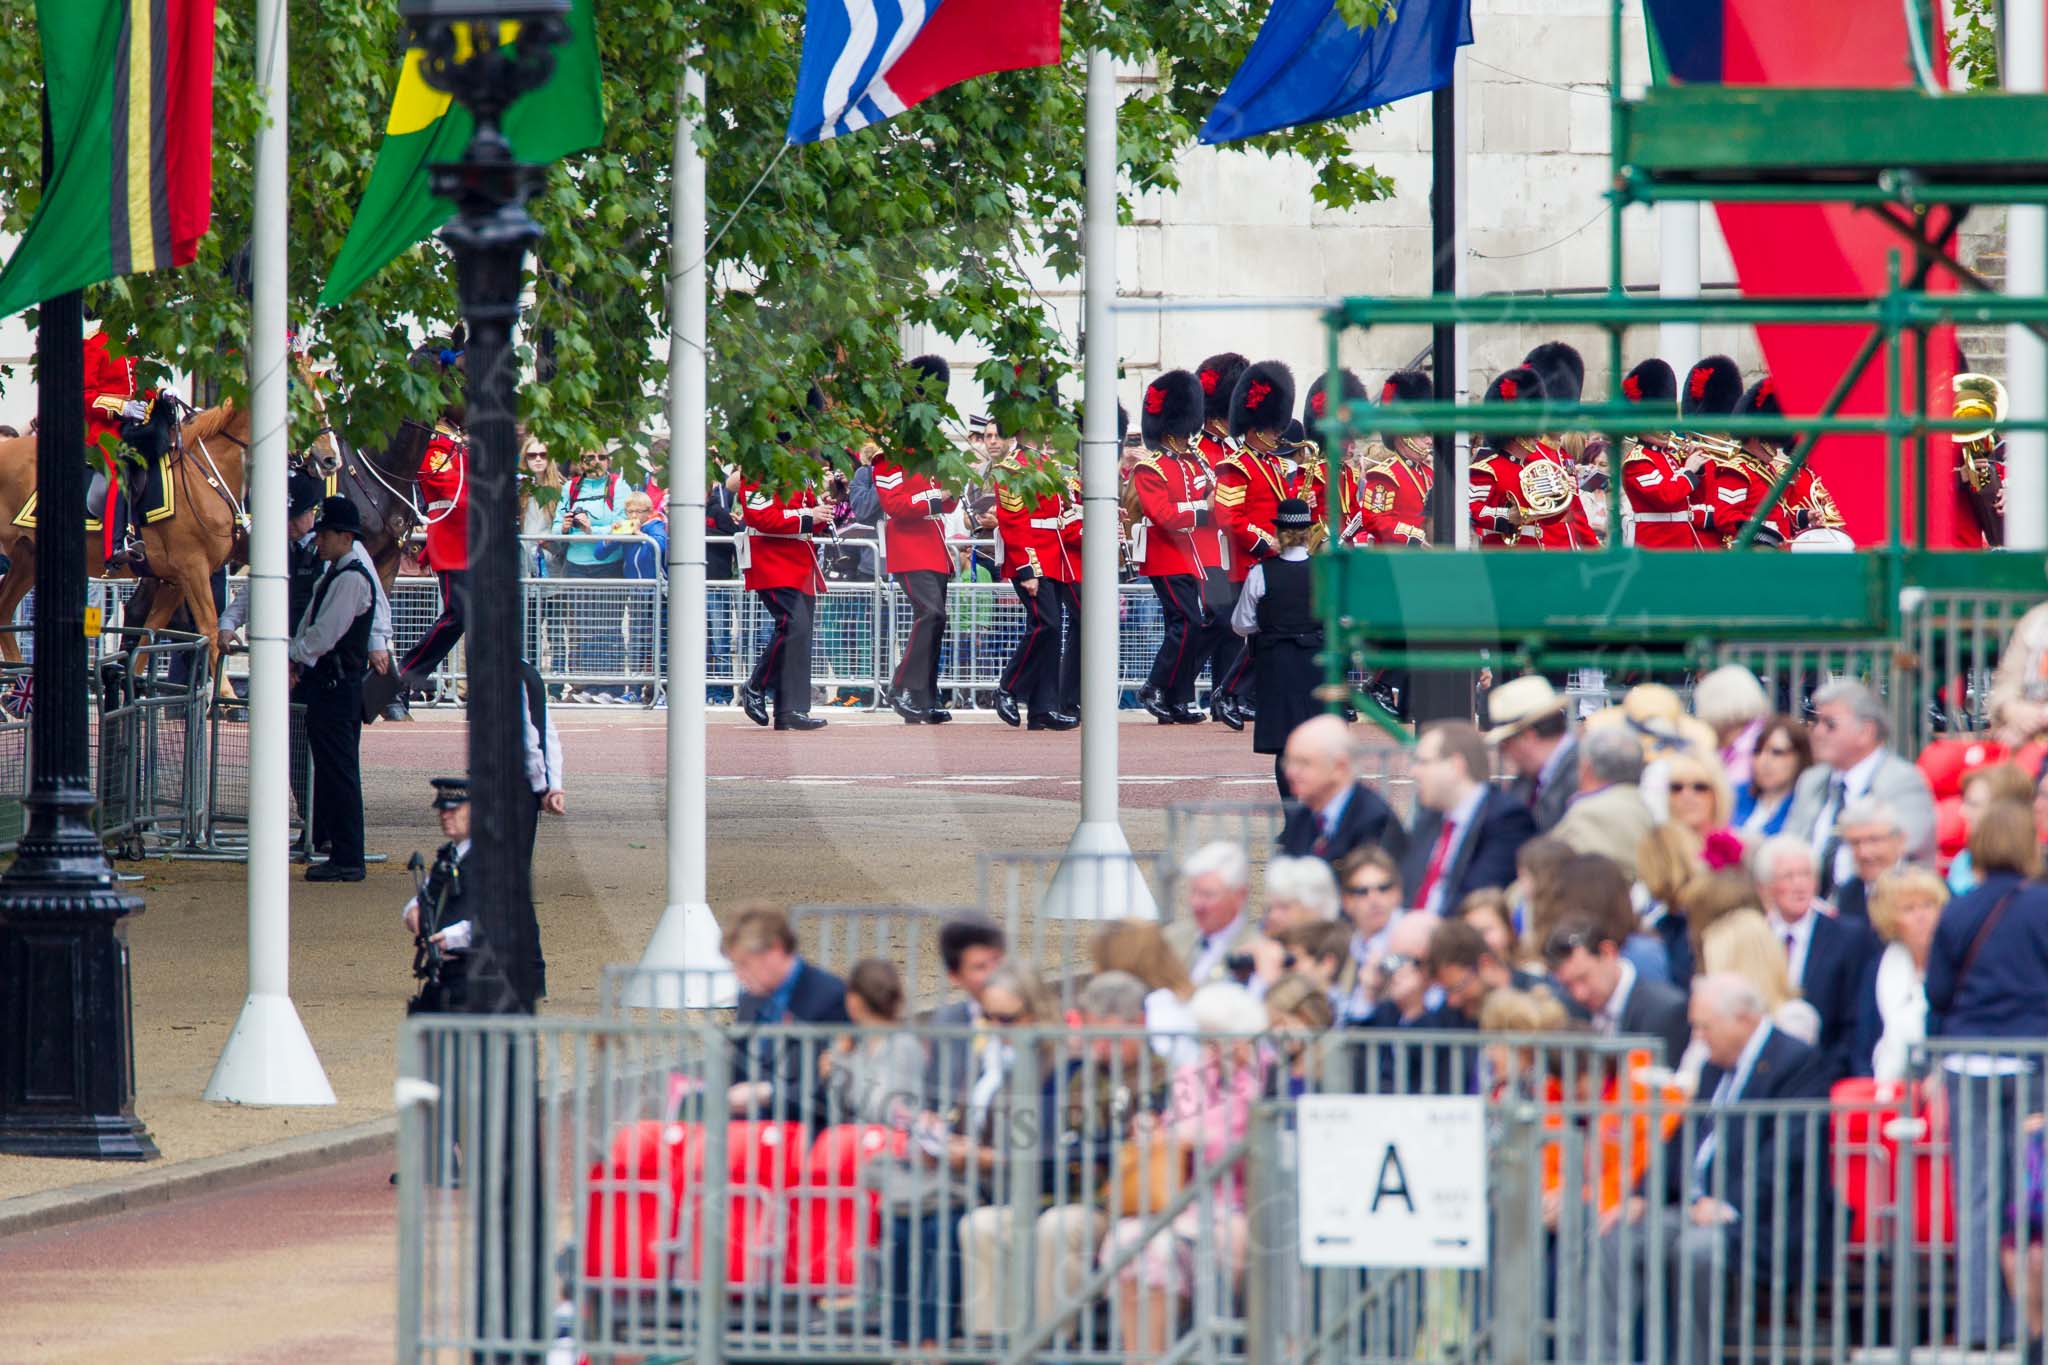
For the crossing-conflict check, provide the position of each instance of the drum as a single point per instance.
(1824, 540)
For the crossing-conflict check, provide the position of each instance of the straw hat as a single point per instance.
(1519, 703)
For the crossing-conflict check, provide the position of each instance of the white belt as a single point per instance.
(929, 495)
(1045, 523)
(441, 506)
(1642, 517)
(777, 535)
(1193, 506)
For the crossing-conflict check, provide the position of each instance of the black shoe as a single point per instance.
(1221, 709)
(1155, 704)
(1244, 709)
(937, 716)
(1006, 707)
(398, 710)
(912, 714)
(800, 722)
(1052, 720)
(334, 872)
(1184, 713)
(755, 704)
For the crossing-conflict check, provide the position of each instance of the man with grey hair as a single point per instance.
(1216, 879)
(1337, 813)
(1851, 762)
(1732, 701)
(1731, 1183)
(1877, 844)
(1607, 815)
(1825, 956)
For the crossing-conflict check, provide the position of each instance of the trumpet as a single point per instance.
(1718, 449)
(1979, 397)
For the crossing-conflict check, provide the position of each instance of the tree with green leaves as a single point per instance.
(822, 254)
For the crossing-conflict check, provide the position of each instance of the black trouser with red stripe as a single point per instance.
(1033, 675)
(1230, 662)
(785, 663)
(917, 672)
(1175, 665)
(1069, 597)
(424, 657)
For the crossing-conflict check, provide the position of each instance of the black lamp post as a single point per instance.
(67, 1060)
(490, 237)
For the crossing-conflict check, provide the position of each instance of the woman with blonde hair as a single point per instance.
(1668, 860)
(1905, 907)
(1981, 788)
(1140, 948)
(1697, 791)
(1741, 942)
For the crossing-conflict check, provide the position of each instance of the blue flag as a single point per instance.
(1308, 65)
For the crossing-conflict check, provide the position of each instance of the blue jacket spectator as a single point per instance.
(1987, 968)
(591, 502)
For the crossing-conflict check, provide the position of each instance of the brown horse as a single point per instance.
(206, 473)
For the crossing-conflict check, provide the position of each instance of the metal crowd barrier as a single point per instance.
(641, 1190)
(226, 831)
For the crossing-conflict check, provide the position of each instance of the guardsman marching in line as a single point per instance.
(1219, 646)
(1527, 494)
(1396, 474)
(1034, 560)
(1314, 408)
(1171, 489)
(1069, 588)
(1736, 482)
(1250, 487)
(1806, 505)
(779, 562)
(1666, 486)
(914, 546)
(444, 495)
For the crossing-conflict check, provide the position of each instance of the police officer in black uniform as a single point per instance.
(438, 917)
(330, 652)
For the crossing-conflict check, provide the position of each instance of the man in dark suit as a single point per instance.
(1876, 842)
(778, 1077)
(1826, 956)
(970, 947)
(1711, 1211)
(1337, 813)
(1533, 732)
(1466, 833)
(1585, 959)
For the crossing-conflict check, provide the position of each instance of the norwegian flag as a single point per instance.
(868, 60)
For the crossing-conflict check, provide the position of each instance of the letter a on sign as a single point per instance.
(1422, 1203)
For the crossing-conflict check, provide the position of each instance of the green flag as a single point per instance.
(566, 115)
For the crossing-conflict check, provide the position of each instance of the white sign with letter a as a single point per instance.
(1393, 1180)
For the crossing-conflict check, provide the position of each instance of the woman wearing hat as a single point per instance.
(1276, 615)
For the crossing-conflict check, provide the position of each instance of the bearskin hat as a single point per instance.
(1563, 370)
(1713, 388)
(1653, 382)
(1316, 408)
(934, 376)
(1519, 385)
(1761, 400)
(1218, 376)
(1263, 399)
(1294, 438)
(1404, 386)
(1173, 407)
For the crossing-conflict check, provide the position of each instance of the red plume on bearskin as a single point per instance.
(1562, 368)
(1219, 375)
(1762, 401)
(1319, 402)
(1519, 385)
(1263, 400)
(1405, 386)
(1652, 381)
(1173, 407)
(1713, 387)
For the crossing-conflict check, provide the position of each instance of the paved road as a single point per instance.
(294, 1271)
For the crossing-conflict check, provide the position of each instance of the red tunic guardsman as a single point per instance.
(1219, 646)
(1171, 490)
(1758, 466)
(1664, 488)
(1807, 500)
(443, 481)
(917, 557)
(1315, 410)
(1035, 560)
(1249, 490)
(109, 389)
(779, 562)
(1527, 494)
(1392, 497)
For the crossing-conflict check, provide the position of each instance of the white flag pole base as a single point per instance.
(1099, 879)
(684, 967)
(269, 1060)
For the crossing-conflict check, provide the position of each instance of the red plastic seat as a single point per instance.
(1866, 1157)
(833, 1222)
(634, 1199)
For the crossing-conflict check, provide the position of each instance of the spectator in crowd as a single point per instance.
(1905, 906)
(1369, 881)
(1466, 833)
(1732, 701)
(1487, 911)
(1318, 951)
(1705, 1236)
(2019, 689)
(877, 1077)
(1707, 898)
(971, 947)
(644, 560)
(589, 506)
(1876, 843)
(1517, 1072)
(1467, 971)
(1763, 800)
(1536, 742)
(1300, 1011)
(1984, 980)
(1850, 729)
(1337, 811)
(1588, 885)
(1536, 897)
(1298, 891)
(1826, 956)
(1210, 1112)
(1981, 788)
(540, 489)
(1741, 943)
(1218, 880)
(1667, 862)
(1402, 990)
(1697, 792)
(1607, 815)
(777, 987)
(1585, 959)
(1138, 949)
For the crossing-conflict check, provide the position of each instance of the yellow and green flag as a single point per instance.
(565, 115)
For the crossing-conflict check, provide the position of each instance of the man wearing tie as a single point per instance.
(1708, 1218)
(1466, 833)
(1337, 814)
(778, 987)
(1851, 762)
(1218, 880)
(1825, 956)
(1876, 845)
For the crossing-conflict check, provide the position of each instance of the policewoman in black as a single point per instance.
(1276, 615)
(330, 652)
